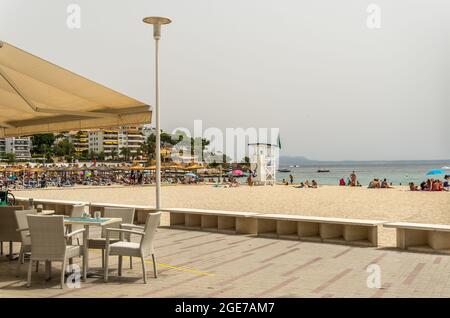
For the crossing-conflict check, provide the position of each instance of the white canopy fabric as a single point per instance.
(37, 96)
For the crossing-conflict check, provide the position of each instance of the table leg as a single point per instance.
(69, 230)
(86, 251)
(48, 269)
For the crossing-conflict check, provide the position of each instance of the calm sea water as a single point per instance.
(395, 172)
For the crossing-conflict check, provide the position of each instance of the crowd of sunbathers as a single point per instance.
(303, 184)
(432, 185)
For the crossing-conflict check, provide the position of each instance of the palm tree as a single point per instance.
(125, 152)
(113, 154)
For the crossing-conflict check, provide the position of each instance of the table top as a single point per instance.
(91, 221)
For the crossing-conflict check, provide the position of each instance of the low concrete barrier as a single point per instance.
(319, 229)
(229, 222)
(306, 228)
(421, 237)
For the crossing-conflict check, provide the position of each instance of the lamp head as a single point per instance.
(157, 22)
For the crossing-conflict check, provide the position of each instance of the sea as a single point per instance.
(397, 172)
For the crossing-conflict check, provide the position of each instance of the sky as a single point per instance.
(337, 87)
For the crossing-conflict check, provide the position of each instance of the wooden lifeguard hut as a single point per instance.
(263, 162)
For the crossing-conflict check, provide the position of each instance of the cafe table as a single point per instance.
(87, 222)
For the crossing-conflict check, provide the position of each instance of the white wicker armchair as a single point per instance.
(22, 228)
(127, 216)
(76, 212)
(126, 248)
(8, 231)
(49, 244)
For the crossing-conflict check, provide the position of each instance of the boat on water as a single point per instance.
(323, 170)
(284, 170)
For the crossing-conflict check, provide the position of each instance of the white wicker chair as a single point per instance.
(76, 212)
(127, 216)
(22, 228)
(142, 249)
(8, 231)
(49, 244)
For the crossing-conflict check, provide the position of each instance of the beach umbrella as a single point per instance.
(194, 167)
(435, 172)
(190, 174)
(237, 172)
(136, 168)
(37, 170)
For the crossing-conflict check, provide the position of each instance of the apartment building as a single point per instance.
(131, 137)
(20, 146)
(112, 141)
(2, 146)
(106, 141)
(80, 140)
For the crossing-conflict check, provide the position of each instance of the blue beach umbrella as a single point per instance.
(434, 172)
(190, 174)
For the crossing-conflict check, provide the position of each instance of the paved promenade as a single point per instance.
(202, 264)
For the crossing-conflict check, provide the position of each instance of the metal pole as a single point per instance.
(157, 22)
(158, 128)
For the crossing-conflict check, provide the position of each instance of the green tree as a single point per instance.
(101, 156)
(42, 144)
(64, 148)
(125, 152)
(10, 158)
(113, 154)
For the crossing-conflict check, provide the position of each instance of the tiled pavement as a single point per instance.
(202, 264)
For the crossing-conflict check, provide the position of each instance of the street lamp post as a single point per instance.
(157, 22)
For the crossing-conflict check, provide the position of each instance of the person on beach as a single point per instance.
(374, 184)
(291, 178)
(250, 179)
(342, 182)
(413, 187)
(385, 184)
(314, 184)
(446, 185)
(437, 186)
(353, 179)
(430, 184)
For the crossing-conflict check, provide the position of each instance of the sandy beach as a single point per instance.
(398, 204)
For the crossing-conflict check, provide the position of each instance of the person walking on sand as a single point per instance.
(291, 178)
(250, 179)
(353, 179)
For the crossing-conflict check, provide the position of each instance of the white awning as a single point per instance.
(37, 96)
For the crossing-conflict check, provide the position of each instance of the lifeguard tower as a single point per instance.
(263, 162)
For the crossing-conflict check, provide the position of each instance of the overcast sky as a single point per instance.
(335, 88)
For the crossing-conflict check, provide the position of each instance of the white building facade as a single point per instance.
(20, 146)
(112, 141)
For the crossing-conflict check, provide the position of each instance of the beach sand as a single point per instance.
(398, 204)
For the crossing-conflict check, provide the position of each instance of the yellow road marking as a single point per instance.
(187, 270)
(182, 269)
